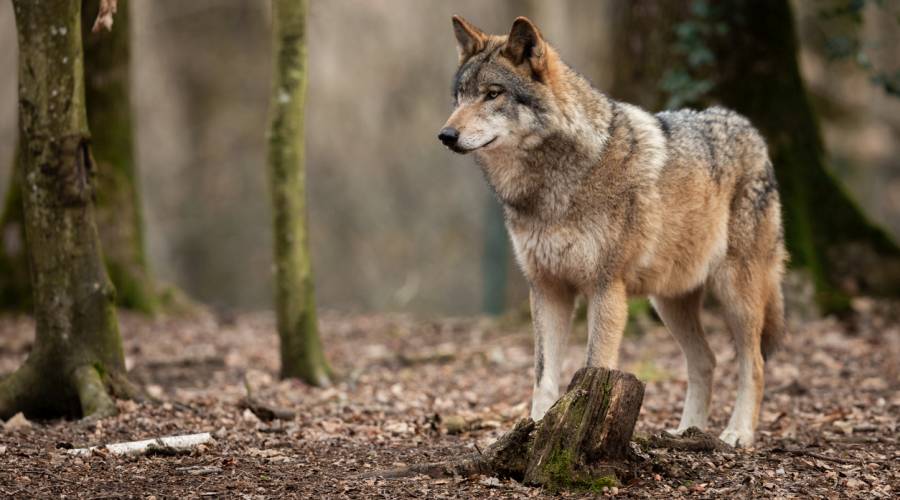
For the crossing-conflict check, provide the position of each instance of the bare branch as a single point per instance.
(105, 16)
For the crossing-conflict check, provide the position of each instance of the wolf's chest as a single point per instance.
(573, 255)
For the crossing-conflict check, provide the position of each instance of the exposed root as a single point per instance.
(582, 443)
(468, 466)
(96, 401)
(693, 439)
(14, 391)
(122, 388)
(505, 458)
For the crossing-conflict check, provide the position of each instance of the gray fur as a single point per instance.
(606, 200)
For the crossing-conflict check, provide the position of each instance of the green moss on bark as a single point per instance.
(117, 205)
(562, 472)
(107, 66)
(15, 286)
(301, 350)
(759, 75)
(74, 301)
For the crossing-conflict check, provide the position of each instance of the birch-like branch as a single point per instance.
(173, 443)
(105, 16)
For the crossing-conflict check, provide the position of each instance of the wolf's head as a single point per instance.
(500, 89)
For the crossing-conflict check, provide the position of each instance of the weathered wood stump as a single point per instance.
(583, 442)
(585, 437)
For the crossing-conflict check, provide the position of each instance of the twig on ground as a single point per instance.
(812, 454)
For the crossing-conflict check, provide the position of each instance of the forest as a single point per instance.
(236, 259)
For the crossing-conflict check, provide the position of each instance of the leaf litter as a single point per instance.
(414, 391)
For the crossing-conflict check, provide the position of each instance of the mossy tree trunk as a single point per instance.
(759, 75)
(107, 68)
(76, 364)
(747, 53)
(301, 350)
(15, 285)
(117, 201)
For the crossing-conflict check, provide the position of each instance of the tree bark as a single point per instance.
(117, 201)
(760, 76)
(76, 365)
(301, 349)
(755, 71)
(586, 435)
(107, 68)
(582, 443)
(644, 37)
(15, 285)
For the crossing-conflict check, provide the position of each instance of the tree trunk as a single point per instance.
(76, 364)
(301, 349)
(582, 443)
(754, 70)
(117, 201)
(644, 37)
(760, 77)
(15, 286)
(107, 66)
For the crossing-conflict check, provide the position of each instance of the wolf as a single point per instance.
(605, 200)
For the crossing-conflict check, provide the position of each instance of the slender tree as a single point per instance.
(301, 349)
(117, 201)
(76, 365)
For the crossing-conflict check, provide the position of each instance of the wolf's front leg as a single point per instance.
(551, 312)
(607, 315)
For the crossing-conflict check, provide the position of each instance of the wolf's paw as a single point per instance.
(737, 438)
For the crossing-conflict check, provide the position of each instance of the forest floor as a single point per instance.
(415, 391)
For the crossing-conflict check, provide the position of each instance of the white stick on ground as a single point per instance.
(178, 443)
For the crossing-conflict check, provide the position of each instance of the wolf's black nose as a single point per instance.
(449, 136)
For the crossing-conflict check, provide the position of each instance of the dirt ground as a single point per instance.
(415, 391)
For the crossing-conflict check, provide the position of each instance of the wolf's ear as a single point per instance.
(470, 40)
(525, 45)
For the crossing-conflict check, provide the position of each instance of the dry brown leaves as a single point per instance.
(424, 391)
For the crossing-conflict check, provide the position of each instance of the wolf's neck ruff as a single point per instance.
(539, 177)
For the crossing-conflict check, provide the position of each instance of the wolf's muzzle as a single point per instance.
(449, 136)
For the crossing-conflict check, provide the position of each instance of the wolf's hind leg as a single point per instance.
(742, 295)
(551, 311)
(682, 317)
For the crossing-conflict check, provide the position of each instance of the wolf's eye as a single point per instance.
(492, 94)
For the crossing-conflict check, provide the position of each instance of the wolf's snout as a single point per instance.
(449, 136)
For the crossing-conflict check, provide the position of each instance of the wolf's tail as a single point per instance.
(774, 329)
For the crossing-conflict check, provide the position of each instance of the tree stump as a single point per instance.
(585, 437)
(583, 442)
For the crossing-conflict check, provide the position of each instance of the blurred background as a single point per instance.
(397, 222)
